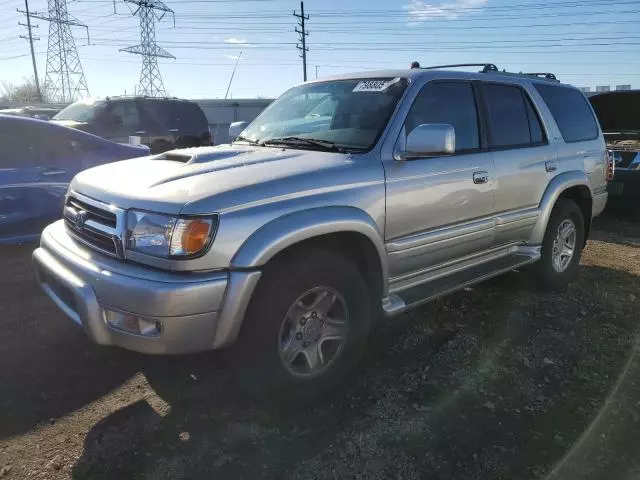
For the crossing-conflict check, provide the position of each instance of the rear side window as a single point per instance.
(509, 123)
(185, 116)
(571, 112)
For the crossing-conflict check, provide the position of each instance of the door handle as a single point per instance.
(550, 166)
(53, 172)
(140, 132)
(480, 177)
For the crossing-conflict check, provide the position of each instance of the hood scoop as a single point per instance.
(174, 157)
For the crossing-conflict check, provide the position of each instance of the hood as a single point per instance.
(618, 111)
(208, 179)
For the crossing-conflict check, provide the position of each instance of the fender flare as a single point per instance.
(558, 185)
(293, 228)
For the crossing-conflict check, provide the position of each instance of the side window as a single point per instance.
(535, 126)
(508, 118)
(14, 151)
(571, 112)
(452, 103)
(125, 113)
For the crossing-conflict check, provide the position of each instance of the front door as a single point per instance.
(440, 208)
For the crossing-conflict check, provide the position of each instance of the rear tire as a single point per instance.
(562, 246)
(310, 307)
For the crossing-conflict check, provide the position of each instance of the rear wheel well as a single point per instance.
(581, 195)
(358, 249)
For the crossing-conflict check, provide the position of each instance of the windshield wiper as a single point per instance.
(240, 138)
(325, 145)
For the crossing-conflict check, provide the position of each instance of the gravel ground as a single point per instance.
(498, 381)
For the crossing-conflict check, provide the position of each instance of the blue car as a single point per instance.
(38, 159)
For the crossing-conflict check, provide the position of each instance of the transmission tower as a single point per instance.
(64, 81)
(149, 12)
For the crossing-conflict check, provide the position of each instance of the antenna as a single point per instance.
(149, 11)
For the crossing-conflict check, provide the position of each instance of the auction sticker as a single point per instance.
(374, 85)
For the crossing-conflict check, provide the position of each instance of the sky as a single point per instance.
(585, 43)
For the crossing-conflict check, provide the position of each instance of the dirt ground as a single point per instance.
(495, 382)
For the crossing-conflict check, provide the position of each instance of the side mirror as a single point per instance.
(428, 140)
(236, 129)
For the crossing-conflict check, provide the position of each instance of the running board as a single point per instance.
(398, 302)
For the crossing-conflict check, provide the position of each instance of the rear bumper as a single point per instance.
(599, 202)
(186, 308)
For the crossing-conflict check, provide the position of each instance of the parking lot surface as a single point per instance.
(496, 381)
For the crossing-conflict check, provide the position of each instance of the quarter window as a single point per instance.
(571, 112)
(451, 103)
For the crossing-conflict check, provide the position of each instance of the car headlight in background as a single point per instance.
(166, 236)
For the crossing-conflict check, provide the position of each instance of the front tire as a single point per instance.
(306, 325)
(562, 246)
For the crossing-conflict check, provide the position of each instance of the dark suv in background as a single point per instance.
(161, 123)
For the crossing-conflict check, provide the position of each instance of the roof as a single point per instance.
(417, 73)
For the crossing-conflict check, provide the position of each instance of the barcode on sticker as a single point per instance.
(374, 85)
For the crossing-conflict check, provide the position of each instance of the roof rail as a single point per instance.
(545, 75)
(486, 67)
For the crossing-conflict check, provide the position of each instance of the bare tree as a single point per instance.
(24, 92)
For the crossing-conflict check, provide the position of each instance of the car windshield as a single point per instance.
(82, 111)
(348, 114)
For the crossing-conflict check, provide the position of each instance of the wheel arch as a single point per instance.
(346, 229)
(573, 185)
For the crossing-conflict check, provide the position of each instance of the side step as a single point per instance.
(399, 302)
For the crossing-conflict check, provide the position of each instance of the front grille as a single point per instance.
(93, 224)
(94, 213)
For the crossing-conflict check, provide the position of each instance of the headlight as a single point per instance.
(166, 236)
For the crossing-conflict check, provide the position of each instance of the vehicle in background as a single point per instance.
(619, 116)
(37, 161)
(161, 123)
(41, 113)
(405, 186)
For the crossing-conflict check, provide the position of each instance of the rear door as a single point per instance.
(523, 158)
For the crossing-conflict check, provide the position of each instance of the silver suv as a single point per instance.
(348, 197)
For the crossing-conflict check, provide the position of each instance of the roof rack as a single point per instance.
(486, 67)
(545, 75)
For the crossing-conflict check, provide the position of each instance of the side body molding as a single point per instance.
(293, 228)
(557, 185)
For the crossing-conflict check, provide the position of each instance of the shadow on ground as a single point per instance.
(48, 367)
(495, 382)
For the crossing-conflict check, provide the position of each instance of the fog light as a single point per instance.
(133, 324)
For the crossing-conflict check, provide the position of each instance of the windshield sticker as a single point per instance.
(375, 85)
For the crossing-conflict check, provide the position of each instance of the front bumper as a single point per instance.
(194, 311)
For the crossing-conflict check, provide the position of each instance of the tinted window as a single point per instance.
(535, 126)
(508, 119)
(571, 112)
(184, 116)
(451, 103)
(125, 113)
(13, 151)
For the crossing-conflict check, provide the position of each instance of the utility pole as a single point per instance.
(65, 81)
(149, 11)
(31, 39)
(303, 38)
